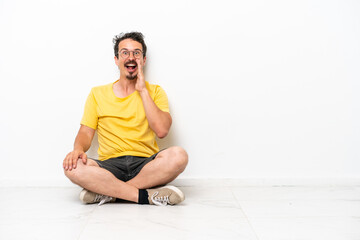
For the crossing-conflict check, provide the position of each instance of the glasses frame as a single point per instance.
(137, 50)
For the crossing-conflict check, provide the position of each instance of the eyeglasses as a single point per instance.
(126, 53)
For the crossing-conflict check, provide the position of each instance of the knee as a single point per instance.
(75, 174)
(179, 158)
(72, 175)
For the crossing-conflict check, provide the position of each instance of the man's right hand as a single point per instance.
(71, 159)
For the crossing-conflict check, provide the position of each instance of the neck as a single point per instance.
(126, 84)
(124, 87)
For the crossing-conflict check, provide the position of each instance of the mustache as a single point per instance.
(131, 62)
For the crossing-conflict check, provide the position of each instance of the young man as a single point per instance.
(128, 115)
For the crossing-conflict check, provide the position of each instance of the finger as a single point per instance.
(67, 162)
(139, 63)
(64, 162)
(71, 161)
(74, 161)
(84, 158)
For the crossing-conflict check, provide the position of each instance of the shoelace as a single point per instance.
(160, 201)
(102, 198)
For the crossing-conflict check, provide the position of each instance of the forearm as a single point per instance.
(159, 121)
(82, 142)
(81, 145)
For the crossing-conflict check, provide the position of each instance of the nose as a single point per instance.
(131, 55)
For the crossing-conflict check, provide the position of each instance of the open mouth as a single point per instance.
(131, 67)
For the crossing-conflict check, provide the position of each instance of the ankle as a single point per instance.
(143, 196)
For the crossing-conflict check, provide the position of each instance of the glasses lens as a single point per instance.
(124, 54)
(137, 54)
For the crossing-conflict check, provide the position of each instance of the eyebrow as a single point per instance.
(128, 49)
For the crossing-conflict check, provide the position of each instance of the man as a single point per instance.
(128, 115)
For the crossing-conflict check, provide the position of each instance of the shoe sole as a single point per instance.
(177, 191)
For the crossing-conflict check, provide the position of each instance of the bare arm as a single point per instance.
(81, 145)
(159, 121)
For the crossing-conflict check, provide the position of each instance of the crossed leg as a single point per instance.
(167, 165)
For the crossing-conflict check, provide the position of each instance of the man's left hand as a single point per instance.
(140, 82)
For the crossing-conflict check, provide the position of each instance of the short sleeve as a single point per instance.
(90, 116)
(161, 99)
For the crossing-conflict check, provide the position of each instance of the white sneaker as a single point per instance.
(165, 195)
(87, 196)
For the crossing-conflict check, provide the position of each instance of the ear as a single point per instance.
(116, 61)
(144, 61)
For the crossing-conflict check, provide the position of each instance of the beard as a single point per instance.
(131, 77)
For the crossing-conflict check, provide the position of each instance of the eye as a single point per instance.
(125, 53)
(137, 53)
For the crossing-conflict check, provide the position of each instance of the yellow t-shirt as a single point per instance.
(121, 123)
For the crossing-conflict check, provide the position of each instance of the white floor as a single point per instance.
(208, 213)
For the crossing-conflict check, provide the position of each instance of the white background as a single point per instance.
(257, 89)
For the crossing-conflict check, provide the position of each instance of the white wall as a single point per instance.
(257, 89)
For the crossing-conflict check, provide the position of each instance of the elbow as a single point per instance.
(162, 129)
(162, 133)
